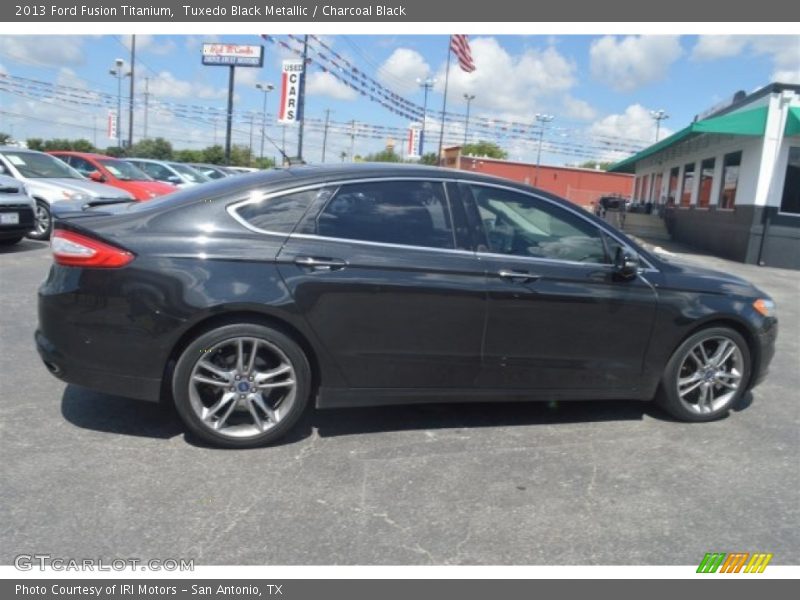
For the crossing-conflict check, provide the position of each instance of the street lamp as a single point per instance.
(659, 115)
(427, 85)
(544, 120)
(469, 98)
(120, 74)
(266, 88)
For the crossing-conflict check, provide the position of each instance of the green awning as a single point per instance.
(793, 121)
(747, 122)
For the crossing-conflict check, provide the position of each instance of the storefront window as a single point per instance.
(706, 181)
(673, 185)
(730, 180)
(790, 202)
(688, 184)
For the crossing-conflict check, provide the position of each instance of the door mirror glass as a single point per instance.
(626, 263)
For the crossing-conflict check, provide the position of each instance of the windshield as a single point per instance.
(33, 165)
(189, 173)
(124, 171)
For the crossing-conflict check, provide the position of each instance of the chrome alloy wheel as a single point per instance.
(710, 374)
(41, 223)
(242, 387)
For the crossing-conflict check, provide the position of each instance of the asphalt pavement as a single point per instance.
(89, 475)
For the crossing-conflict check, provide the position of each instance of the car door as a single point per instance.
(559, 317)
(377, 271)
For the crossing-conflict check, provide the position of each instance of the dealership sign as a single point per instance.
(111, 126)
(289, 110)
(414, 142)
(233, 55)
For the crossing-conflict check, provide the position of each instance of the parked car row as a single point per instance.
(32, 181)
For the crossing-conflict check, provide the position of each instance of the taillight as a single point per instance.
(75, 250)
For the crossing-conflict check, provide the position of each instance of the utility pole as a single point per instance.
(658, 116)
(353, 140)
(301, 101)
(252, 118)
(325, 132)
(119, 73)
(543, 119)
(427, 85)
(265, 88)
(146, 103)
(283, 144)
(130, 93)
(469, 98)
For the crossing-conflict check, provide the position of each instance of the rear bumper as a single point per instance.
(70, 371)
(24, 226)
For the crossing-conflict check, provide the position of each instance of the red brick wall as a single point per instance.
(581, 186)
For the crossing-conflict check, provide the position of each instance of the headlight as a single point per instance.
(765, 307)
(77, 196)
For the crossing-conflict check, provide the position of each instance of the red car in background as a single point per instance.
(115, 172)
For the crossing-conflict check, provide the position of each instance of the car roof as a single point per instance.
(85, 154)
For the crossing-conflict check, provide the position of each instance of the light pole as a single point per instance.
(427, 85)
(120, 74)
(266, 88)
(469, 98)
(543, 120)
(659, 115)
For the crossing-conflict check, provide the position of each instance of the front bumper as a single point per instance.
(25, 224)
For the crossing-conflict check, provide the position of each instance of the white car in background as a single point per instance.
(49, 180)
(169, 172)
(16, 211)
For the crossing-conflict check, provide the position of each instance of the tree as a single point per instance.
(190, 156)
(387, 155)
(5, 138)
(593, 164)
(483, 148)
(240, 155)
(214, 154)
(115, 151)
(35, 144)
(157, 148)
(429, 158)
(82, 145)
(265, 163)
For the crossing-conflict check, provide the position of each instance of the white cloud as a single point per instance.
(782, 50)
(325, 84)
(577, 109)
(401, 70)
(636, 123)
(166, 85)
(631, 62)
(43, 50)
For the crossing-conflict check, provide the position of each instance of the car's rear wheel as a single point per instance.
(706, 375)
(242, 385)
(42, 223)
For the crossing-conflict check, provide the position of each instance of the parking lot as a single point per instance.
(88, 475)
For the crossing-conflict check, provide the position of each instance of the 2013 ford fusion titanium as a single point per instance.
(246, 299)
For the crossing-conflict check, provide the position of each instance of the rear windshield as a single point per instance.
(189, 173)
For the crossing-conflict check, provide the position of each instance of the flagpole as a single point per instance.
(444, 101)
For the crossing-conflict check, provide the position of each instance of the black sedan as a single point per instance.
(245, 299)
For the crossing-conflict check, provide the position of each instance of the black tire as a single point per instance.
(275, 339)
(668, 395)
(10, 241)
(43, 215)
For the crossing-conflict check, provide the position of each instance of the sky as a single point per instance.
(599, 89)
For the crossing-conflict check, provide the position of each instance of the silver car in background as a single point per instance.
(16, 211)
(49, 180)
(169, 172)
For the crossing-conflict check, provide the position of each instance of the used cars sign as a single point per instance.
(236, 55)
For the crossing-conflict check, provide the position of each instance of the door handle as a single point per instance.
(518, 276)
(319, 263)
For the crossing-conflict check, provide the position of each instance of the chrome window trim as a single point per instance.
(231, 209)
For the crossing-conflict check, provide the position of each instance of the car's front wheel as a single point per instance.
(42, 223)
(241, 385)
(706, 375)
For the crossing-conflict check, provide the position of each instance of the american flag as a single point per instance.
(459, 45)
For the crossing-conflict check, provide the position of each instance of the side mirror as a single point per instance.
(97, 176)
(174, 179)
(626, 264)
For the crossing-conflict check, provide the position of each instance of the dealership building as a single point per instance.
(729, 182)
